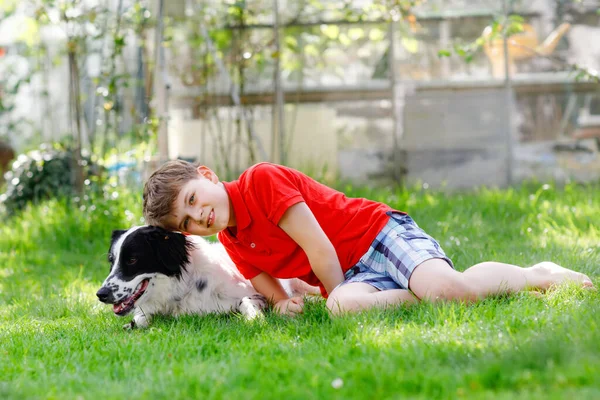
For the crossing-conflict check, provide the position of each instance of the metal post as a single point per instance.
(396, 168)
(161, 87)
(279, 126)
(508, 95)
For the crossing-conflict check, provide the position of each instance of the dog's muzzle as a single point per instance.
(122, 304)
(105, 295)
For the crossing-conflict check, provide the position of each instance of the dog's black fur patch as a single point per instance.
(116, 234)
(151, 249)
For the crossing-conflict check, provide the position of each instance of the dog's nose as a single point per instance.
(103, 294)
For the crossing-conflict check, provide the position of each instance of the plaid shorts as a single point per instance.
(394, 254)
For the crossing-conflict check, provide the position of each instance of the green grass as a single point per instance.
(57, 341)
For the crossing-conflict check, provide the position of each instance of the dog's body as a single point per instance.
(154, 271)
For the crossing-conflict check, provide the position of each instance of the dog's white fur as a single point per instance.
(222, 287)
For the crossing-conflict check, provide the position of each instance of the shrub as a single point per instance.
(42, 174)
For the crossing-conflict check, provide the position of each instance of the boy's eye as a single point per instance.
(192, 197)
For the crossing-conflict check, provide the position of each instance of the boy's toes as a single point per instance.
(586, 281)
(555, 275)
(534, 293)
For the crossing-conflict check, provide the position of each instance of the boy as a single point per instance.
(276, 222)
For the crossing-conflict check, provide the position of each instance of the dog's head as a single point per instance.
(137, 256)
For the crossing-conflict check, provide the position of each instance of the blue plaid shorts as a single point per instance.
(394, 254)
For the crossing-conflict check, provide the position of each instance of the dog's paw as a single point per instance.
(251, 307)
(129, 326)
(140, 321)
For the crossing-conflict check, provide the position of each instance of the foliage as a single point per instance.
(43, 174)
(11, 81)
(242, 34)
(241, 38)
(500, 27)
(117, 106)
(58, 341)
(506, 26)
(87, 34)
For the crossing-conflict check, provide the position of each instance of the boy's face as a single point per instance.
(202, 206)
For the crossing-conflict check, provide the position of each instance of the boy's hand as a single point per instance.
(291, 306)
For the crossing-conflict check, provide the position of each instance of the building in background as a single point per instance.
(370, 101)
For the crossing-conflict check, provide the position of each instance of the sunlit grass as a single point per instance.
(57, 341)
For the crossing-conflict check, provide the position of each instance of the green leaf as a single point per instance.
(29, 31)
(356, 33)
(259, 60)
(376, 34)
(291, 43)
(330, 31)
(516, 18)
(460, 50)
(222, 39)
(8, 6)
(444, 53)
(119, 41)
(345, 40)
(311, 50)
(514, 28)
(410, 44)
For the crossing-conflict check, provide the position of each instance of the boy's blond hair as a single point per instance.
(163, 187)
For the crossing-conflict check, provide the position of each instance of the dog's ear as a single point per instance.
(116, 234)
(171, 249)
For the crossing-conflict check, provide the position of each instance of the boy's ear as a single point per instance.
(208, 173)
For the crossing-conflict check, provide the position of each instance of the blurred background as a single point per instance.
(440, 93)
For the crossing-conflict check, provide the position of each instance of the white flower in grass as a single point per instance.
(337, 383)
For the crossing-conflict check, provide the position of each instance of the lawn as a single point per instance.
(58, 341)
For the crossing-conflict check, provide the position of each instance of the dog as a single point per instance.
(156, 271)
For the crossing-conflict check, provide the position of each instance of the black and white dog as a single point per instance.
(155, 271)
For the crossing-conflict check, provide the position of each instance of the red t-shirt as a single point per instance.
(261, 196)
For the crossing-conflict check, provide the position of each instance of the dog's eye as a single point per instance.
(111, 258)
(131, 261)
(192, 198)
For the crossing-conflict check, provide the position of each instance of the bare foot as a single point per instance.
(534, 293)
(551, 274)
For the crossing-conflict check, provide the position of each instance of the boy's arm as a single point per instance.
(301, 225)
(270, 287)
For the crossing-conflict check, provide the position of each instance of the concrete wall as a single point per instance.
(451, 138)
(456, 138)
(311, 145)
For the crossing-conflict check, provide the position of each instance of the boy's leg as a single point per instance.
(435, 280)
(356, 296)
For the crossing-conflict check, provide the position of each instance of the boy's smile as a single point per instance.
(202, 206)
